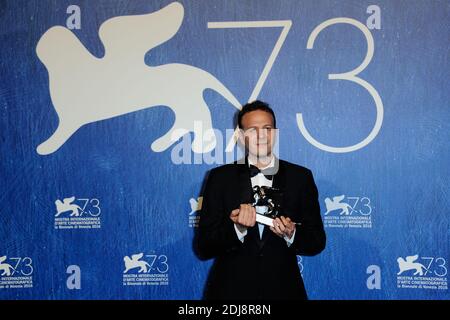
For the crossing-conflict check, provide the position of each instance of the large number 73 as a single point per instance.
(347, 76)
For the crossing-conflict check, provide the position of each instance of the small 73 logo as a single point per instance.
(69, 205)
(21, 265)
(359, 205)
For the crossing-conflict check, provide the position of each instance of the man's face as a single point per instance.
(258, 132)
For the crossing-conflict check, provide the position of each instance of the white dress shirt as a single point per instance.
(261, 180)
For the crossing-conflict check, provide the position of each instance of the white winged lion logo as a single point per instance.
(135, 262)
(410, 264)
(336, 204)
(85, 89)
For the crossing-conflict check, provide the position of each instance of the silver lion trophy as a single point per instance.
(267, 202)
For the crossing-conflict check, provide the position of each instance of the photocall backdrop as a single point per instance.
(105, 106)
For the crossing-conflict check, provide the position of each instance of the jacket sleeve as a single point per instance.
(310, 236)
(216, 233)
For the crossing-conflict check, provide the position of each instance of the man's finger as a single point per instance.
(241, 219)
(247, 215)
(275, 231)
(251, 216)
(254, 215)
(280, 225)
(276, 226)
(234, 215)
(287, 221)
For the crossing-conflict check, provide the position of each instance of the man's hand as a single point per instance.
(283, 227)
(244, 217)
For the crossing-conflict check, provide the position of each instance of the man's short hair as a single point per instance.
(253, 106)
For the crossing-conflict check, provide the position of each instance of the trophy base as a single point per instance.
(264, 220)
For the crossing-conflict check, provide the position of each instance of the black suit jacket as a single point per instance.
(257, 268)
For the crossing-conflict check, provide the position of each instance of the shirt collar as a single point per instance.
(270, 165)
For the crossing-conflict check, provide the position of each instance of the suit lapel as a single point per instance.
(244, 182)
(245, 192)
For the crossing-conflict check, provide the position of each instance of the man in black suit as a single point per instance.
(254, 261)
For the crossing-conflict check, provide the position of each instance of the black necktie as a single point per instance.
(255, 170)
